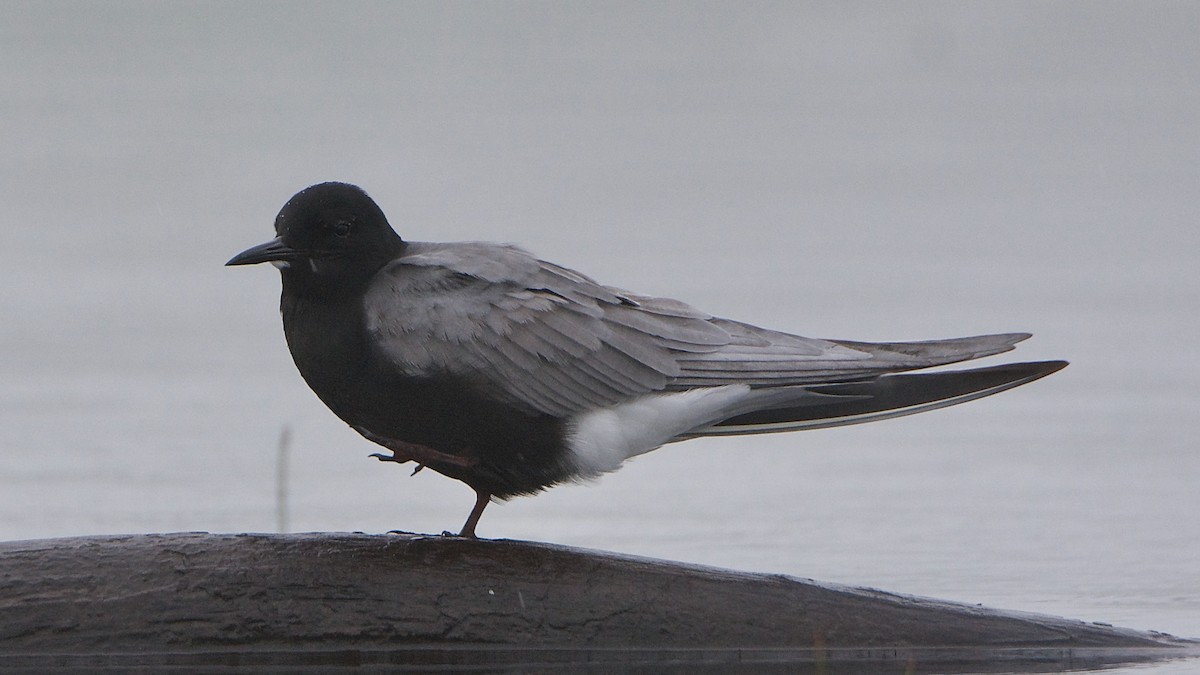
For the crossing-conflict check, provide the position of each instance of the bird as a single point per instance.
(513, 374)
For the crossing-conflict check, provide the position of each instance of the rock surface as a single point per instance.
(348, 600)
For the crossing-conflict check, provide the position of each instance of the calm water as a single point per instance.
(879, 172)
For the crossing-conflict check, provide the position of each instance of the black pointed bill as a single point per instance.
(275, 252)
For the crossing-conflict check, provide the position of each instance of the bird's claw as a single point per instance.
(390, 458)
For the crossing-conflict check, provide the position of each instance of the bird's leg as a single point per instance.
(403, 451)
(481, 502)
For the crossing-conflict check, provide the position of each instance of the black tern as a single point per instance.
(513, 374)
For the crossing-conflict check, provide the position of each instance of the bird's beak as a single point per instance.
(275, 252)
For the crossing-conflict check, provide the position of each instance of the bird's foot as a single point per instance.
(403, 451)
(391, 458)
(382, 457)
(399, 460)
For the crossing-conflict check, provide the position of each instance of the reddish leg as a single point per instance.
(405, 452)
(481, 502)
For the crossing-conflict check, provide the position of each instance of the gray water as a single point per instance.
(882, 172)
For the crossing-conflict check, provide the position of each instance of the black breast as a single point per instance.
(513, 452)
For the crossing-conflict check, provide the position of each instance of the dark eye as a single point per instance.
(341, 228)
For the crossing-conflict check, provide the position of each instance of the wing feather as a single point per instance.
(549, 340)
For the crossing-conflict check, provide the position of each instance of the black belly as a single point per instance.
(512, 452)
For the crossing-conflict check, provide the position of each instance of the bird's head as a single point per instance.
(328, 234)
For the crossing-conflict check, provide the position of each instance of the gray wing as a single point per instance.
(549, 340)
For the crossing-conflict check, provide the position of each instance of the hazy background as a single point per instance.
(867, 171)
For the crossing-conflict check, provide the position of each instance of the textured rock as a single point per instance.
(350, 599)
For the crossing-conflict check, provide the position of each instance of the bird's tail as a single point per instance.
(884, 397)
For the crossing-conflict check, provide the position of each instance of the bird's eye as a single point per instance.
(341, 228)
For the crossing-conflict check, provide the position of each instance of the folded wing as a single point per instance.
(548, 340)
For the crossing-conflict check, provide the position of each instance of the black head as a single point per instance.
(329, 234)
